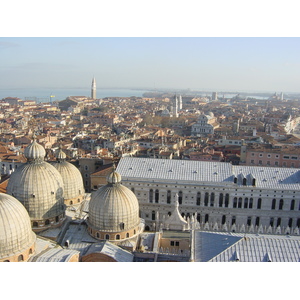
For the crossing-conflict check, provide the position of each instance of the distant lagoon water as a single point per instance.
(43, 95)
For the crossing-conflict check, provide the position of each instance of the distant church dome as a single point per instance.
(39, 187)
(17, 240)
(72, 179)
(113, 211)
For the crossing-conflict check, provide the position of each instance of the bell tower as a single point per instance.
(93, 90)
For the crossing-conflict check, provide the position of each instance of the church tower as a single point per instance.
(93, 90)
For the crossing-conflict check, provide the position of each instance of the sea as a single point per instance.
(43, 95)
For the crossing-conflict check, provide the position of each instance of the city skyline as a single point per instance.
(199, 63)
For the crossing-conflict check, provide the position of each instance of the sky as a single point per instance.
(213, 45)
(198, 63)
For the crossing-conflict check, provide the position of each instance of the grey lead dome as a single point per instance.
(15, 227)
(112, 205)
(37, 185)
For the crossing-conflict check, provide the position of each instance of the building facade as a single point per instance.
(223, 196)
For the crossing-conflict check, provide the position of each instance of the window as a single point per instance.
(198, 199)
(249, 221)
(240, 202)
(234, 202)
(221, 200)
(122, 226)
(271, 222)
(290, 222)
(280, 204)
(292, 205)
(206, 218)
(117, 237)
(47, 222)
(226, 200)
(151, 196)
(97, 234)
(127, 235)
(20, 257)
(35, 224)
(278, 222)
(156, 196)
(212, 199)
(169, 197)
(251, 203)
(233, 220)
(257, 221)
(244, 181)
(273, 204)
(246, 203)
(223, 219)
(153, 215)
(180, 197)
(206, 199)
(259, 203)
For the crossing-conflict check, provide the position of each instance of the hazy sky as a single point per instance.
(239, 64)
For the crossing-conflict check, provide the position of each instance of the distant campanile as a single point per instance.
(93, 91)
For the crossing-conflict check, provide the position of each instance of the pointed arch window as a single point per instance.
(156, 196)
(278, 222)
(206, 199)
(226, 200)
(240, 202)
(281, 204)
(198, 199)
(223, 219)
(273, 204)
(292, 205)
(259, 203)
(180, 197)
(290, 222)
(151, 196)
(233, 220)
(246, 202)
(206, 218)
(234, 202)
(212, 199)
(221, 196)
(168, 197)
(257, 221)
(251, 203)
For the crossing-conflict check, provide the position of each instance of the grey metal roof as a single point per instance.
(209, 172)
(55, 255)
(225, 247)
(111, 250)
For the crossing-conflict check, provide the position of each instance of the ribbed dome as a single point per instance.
(15, 228)
(38, 185)
(72, 179)
(114, 177)
(114, 207)
(34, 151)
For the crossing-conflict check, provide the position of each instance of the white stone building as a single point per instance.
(223, 196)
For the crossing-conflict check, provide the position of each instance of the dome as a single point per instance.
(113, 177)
(16, 236)
(72, 179)
(114, 207)
(39, 187)
(34, 151)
